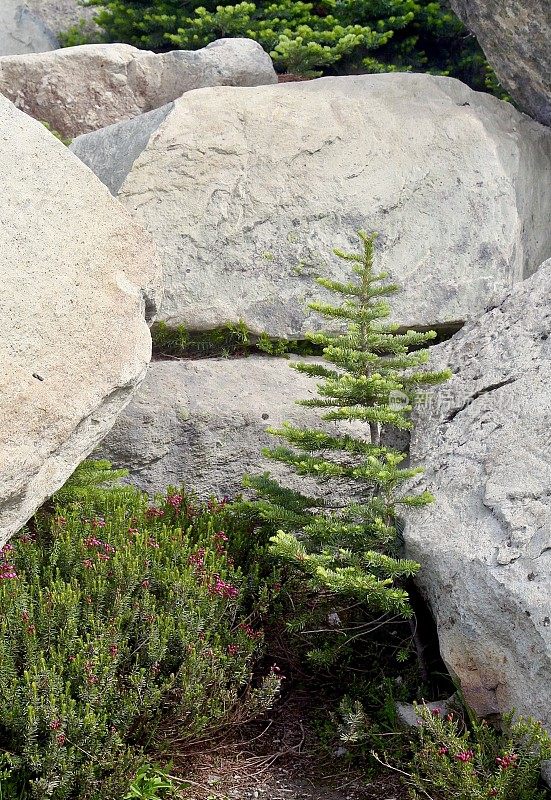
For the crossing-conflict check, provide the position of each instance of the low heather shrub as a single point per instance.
(476, 762)
(116, 614)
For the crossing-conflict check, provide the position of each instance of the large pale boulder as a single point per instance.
(516, 38)
(80, 89)
(32, 26)
(78, 280)
(246, 192)
(203, 423)
(485, 544)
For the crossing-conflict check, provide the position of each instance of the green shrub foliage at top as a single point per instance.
(341, 545)
(308, 38)
(117, 613)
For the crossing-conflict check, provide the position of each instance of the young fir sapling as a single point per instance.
(344, 553)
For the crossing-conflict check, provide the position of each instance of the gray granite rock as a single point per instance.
(246, 192)
(408, 713)
(203, 423)
(485, 544)
(32, 26)
(516, 38)
(546, 772)
(79, 277)
(80, 89)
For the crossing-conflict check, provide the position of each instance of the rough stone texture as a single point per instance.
(246, 192)
(203, 423)
(546, 773)
(32, 26)
(79, 277)
(408, 715)
(485, 545)
(516, 38)
(81, 89)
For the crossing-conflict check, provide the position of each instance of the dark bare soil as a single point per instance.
(280, 758)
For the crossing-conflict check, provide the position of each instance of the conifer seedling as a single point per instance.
(372, 374)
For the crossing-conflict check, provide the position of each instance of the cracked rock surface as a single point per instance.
(79, 277)
(80, 89)
(247, 191)
(485, 544)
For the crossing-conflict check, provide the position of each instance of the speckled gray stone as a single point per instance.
(516, 38)
(485, 544)
(79, 281)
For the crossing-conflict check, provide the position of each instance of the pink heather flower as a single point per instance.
(8, 547)
(92, 541)
(99, 522)
(442, 751)
(103, 557)
(221, 536)
(155, 512)
(233, 649)
(197, 559)
(61, 739)
(25, 616)
(113, 650)
(146, 584)
(175, 500)
(249, 631)
(87, 563)
(222, 588)
(507, 761)
(465, 756)
(55, 725)
(435, 712)
(133, 531)
(7, 571)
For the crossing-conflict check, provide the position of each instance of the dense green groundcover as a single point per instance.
(308, 38)
(118, 615)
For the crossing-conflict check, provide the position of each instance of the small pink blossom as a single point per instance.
(507, 761)
(222, 588)
(175, 500)
(155, 512)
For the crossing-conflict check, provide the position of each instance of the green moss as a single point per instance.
(225, 341)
